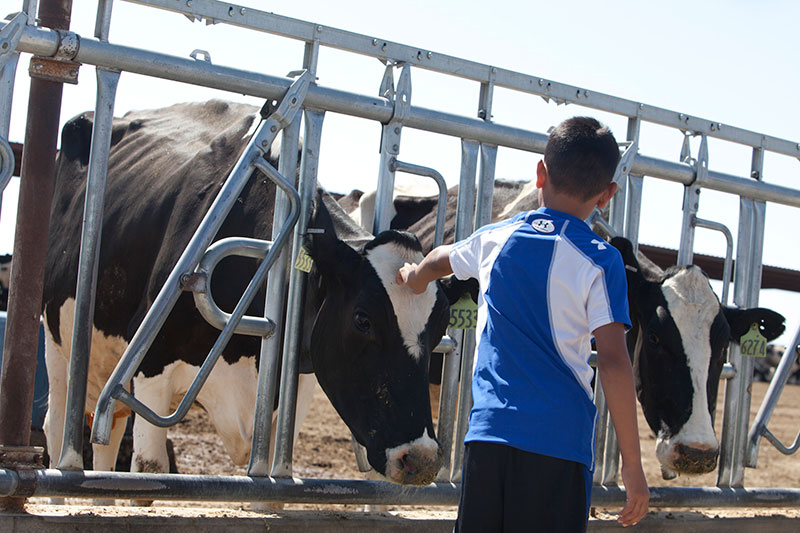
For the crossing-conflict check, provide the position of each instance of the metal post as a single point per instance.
(464, 338)
(284, 439)
(691, 198)
(390, 143)
(71, 449)
(274, 306)
(103, 22)
(30, 248)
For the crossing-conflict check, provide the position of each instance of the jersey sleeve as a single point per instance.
(608, 295)
(465, 257)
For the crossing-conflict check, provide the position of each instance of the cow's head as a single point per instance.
(678, 340)
(371, 343)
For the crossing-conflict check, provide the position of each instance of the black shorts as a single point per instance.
(507, 489)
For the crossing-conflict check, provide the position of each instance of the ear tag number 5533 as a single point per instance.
(463, 314)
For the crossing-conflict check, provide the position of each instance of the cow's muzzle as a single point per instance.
(695, 460)
(414, 463)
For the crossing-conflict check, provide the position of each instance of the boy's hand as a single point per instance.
(637, 493)
(407, 275)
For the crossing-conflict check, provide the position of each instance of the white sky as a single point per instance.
(729, 61)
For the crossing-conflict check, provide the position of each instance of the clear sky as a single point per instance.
(733, 62)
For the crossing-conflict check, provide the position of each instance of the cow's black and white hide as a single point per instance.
(368, 340)
(5, 280)
(764, 367)
(678, 343)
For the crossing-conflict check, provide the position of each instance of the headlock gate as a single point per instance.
(57, 53)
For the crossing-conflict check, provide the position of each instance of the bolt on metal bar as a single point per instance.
(309, 165)
(274, 305)
(88, 264)
(164, 302)
(776, 385)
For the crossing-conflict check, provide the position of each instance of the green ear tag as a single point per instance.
(463, 314)
(303, 263)
(753, 343)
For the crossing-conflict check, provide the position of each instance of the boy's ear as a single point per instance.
(541, 174)
(606, 196)
(455, 288)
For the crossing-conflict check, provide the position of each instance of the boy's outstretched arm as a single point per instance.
(435, 265)
(616, 376)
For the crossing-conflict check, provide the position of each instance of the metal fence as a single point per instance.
(480, 138)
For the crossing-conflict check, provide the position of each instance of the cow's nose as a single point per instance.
(696, 459)
(419, 467)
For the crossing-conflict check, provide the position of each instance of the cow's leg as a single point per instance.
(105, 456)
(57, 400)
(149, 441)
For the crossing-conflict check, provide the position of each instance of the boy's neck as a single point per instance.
(566, 203)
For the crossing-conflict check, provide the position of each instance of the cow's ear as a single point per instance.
(770, 323)
(633, 270)
(455, 288)
(335, 260)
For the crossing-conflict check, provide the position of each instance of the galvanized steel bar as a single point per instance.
(227, 332)
(157, 315)
(88, 261)
(441, 204)
(307, 185)
(776, 385)
(274, 306)
(37, 40)
(102, 24)
(485, 74)
(204, 300)
(464, 227)
(485, 188)
(727, 269)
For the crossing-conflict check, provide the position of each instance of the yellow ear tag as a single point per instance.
(463, 314)
(753, 343)
(303, 263)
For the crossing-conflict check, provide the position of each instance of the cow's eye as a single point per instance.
(361, 321)
(653, 338)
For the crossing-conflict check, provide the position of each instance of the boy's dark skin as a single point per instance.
(613, 362)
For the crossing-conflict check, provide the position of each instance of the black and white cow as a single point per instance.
(367, 340)
(677, 342)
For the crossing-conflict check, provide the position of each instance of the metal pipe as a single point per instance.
(88, 261)
(275, 306)
(441, 205)
(30, 243)
(770, 401)
(212, 221)
(137, 486)
(464, 228)
(727, 269)
(204, 300)
(309, 165)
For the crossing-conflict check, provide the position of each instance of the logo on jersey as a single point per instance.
(600, 244)
(542, 225)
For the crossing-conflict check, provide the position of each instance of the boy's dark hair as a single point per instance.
(581, 156)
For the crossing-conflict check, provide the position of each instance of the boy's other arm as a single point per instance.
(435, 265)
(616, 376)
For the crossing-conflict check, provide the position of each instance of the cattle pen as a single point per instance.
(298, 100)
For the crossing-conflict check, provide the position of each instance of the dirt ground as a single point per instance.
(324, 450)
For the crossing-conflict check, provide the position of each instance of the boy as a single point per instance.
(548, 284)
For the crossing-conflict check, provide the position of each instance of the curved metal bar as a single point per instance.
(727, 269)
(441, 205)
(6, 163)
(204, 301)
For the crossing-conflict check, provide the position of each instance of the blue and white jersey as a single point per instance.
(546, 282)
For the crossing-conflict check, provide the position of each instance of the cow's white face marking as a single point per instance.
(693, 306)
(412, 310)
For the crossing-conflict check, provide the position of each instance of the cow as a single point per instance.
(764, 368)
(5, 280)
(366, 341)
(677, 342)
